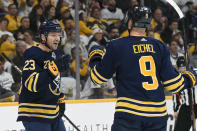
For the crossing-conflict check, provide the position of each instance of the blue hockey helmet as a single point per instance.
(141, 16)
(49, 26)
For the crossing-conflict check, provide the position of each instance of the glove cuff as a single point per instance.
(96, 52)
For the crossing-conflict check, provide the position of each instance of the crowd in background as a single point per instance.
(100, 21)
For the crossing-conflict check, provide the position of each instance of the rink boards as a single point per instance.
(88, 115)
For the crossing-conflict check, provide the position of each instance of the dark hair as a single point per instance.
(172, 20)
(47, 9)
(172, 41)
(25, 17)
(66, 19)
(81, 16)
(32, 14)
(3, 19)
(111, 27)
(9, 6)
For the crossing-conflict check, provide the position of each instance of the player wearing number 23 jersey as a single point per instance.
(143, 70)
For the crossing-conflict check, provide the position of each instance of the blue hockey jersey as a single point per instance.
(39, 93)
(143, 69)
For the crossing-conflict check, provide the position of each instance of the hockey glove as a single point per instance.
(61, 104)
(191, 75)
(96, 53)
(63, 63)
(53, 70)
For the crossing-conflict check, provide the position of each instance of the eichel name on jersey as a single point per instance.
(39, 92)
(143, 69)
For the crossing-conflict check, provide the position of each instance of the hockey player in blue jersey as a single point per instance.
(143, 70)
(40, 107)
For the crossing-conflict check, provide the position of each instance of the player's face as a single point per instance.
(53, 40)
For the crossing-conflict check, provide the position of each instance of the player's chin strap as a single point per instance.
(191, 101)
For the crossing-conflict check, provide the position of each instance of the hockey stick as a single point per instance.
(191, 101)
(20, 72)
(12, 63)
(71, 122)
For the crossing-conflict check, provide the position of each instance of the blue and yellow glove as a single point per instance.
(191, 75)
(96, 54)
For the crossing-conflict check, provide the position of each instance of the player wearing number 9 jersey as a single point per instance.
(143, 70)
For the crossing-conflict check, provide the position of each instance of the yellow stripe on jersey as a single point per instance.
(179, 89)
(101, 77)
(96, 52)
(30, 83)
(38, 110)
(36, 115)
(38, 105)
(29, 78)
(35, 82)
(94, 77)
(141, 108)
(175, 85)
(142, 102)
(141, 114)
(172, 80)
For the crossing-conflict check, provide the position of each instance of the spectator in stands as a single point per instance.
(177, 36)
(84, 29)
(93, 3)
(44, 3)
(112, 14)
(3, 28)
(64, 15)
(34, 17)
(29, 38)
(68, 26)
(21, 46)
(27, 8)
(95, 19)
(25, 25)
(50, 12)
(13, 18)
(70, 43)
(113, 33)
(7, 46)
(97, 39)
(83, 66)
(158, 21)
(60, 4)
(166, 34)
(6, 82)
(174, 54)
